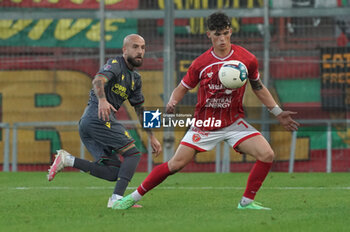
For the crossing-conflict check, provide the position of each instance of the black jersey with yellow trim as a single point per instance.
(122, 83)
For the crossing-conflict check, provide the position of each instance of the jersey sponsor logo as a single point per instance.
(120, 90)
(215, 86)
(224, 102)
(151, 119)
(196, 138)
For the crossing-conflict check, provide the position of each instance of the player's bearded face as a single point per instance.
(134, 52)
(135, 61)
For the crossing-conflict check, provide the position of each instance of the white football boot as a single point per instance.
(59, 163)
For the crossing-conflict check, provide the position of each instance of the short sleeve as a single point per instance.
(191, 79)
(110, 69)
(253, 71)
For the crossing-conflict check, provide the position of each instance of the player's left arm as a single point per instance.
(264, 95)
(156, 146)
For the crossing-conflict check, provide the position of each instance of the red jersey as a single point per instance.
(214, 100)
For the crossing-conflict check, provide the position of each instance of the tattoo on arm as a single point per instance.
(99, 88)
(256, 85)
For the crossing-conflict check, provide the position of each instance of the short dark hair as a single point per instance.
(218, 21)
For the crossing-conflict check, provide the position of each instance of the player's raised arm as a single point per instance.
(104, 107)
(264, 95)
(176, 96)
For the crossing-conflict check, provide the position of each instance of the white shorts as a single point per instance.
(234, 134)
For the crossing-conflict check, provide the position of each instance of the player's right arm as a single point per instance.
(176, 96)
(189, 81)
(104, 107)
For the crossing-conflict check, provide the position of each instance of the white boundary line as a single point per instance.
(172, 188)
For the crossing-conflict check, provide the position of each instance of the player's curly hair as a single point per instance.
(218, 21)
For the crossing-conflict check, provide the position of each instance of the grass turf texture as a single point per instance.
(75, 201)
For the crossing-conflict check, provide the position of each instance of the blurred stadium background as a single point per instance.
(50, 50)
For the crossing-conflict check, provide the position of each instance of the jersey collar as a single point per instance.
(222, 58)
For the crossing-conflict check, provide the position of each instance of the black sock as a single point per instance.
(126, 172)
(102, 171)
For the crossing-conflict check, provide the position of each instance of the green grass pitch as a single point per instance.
(75, 201)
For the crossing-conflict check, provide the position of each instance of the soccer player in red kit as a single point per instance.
(219, 103)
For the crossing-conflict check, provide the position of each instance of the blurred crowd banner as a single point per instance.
(335, 71)
(72, 4)
(84, 33)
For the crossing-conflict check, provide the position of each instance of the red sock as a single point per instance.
(157, 175)
(256, 178)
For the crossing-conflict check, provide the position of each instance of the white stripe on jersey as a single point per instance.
(220, 62)
(219, 58)
(257, 78)
(186, 86)
(200, 74)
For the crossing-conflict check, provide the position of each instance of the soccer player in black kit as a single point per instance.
(100, 131)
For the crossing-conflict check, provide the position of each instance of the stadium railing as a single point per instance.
(18, 125)
(221, 165)
(6, 140)
(329, 124)
(224, 164)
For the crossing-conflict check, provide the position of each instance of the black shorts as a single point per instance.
(101, 138)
